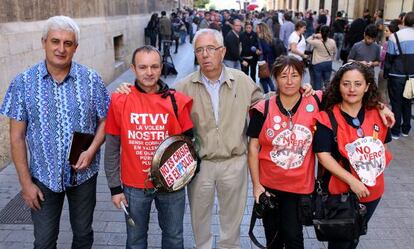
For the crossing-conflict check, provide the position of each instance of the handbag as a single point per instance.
(409, 89)
(264, 71)
(341, 216)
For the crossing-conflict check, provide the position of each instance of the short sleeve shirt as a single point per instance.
(301, 44)
(363, 52)
(52, 112)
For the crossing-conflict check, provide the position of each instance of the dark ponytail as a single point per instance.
(325, 32)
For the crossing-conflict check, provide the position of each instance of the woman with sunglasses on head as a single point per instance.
(360, 142)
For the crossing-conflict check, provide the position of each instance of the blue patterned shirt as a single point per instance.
(52, 113)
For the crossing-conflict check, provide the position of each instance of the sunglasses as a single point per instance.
(357, 123)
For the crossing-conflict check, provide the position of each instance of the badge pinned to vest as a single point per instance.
(174, 164)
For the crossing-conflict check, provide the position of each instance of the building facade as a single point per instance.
(354, 8)
(110, 32)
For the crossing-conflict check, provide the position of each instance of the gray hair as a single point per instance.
(61, 23)
(217, 35)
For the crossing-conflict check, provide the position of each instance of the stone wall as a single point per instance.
(103, 24)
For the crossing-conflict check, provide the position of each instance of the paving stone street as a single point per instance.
(392, 225)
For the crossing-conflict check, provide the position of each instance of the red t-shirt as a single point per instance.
(286, 160)
(143, 121)
(367, 155)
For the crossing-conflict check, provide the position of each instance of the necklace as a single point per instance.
(290, 112)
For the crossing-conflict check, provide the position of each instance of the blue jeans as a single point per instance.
(183, 35)
(266, 84)
(339, 40)
(322, 74)
(82, 200)
(170, 208)
(371, 206)
(232, 64)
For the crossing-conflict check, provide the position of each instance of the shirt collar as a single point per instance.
(225, 77)
(163, 87)
(43, 70)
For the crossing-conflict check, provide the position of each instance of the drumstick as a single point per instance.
(129, 218)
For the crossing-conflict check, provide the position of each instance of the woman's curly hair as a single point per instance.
(333, 96)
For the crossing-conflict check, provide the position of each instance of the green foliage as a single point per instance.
(201, 3)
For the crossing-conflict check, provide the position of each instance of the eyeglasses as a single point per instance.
(357, 123)
(209, 49)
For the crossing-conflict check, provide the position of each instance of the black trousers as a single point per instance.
(252, 66)
(285, 221)
(400, 106)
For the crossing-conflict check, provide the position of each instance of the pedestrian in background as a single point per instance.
(153, 29)
(250, 49)
(324, 51)
(399, 67)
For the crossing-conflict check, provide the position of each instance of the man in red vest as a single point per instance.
(137, 124)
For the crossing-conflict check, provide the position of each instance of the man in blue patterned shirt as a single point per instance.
(46, 104)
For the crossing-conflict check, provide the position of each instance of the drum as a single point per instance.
(174, 164)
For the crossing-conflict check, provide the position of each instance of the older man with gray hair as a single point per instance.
(222, 97)
(46, 105)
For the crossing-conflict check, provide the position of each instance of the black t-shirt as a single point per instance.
(257, 119)
(256, 123)
(325, 136)
(339, 26)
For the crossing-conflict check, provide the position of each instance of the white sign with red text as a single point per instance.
(367, 158)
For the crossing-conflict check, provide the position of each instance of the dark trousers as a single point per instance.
(82, 200)
(153, 39)
(252, 67)
(285, 221)
(371, 206)
(162, 38)
(400, 105)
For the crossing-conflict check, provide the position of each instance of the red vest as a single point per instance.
(286, 160)
(143, 121)
(367, 156)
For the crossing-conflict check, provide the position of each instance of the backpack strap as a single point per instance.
(170, 92)
(266, 107)
(318, 101)
(334, 125)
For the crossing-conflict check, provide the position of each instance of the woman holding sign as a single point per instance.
(361, 136)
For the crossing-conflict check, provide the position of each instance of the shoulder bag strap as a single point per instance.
(326, 48)
(401, 53)
(334, 125)
(398, 43)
